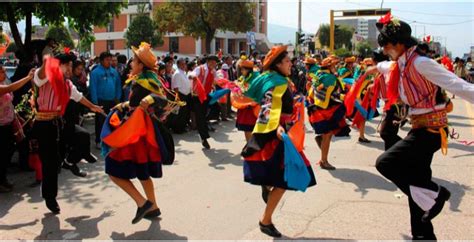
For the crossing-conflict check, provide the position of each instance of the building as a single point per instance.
(111, 37)
(363, 27)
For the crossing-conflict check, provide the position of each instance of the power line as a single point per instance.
(415, 12)
(437, 24)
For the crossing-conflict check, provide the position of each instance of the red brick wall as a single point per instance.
(165, 46)
(100, 46)
(120, 23)
(119, 44)
(187, 45)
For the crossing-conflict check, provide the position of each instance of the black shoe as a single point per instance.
(269, 230)
(224, 119)
(141, 211)
(74, 169)
(364, 140)
(153, 214)
(53, 206)
(6, 184)
(319, 139)
(205, 144)
(265, 193)
(424, 237)
(90, 158)
(5, 189)
(443, 196)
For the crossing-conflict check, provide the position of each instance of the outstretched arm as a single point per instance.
(17, 85)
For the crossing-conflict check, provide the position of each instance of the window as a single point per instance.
(174, 44)
(110, 26)
(110, 45)
(230, 46)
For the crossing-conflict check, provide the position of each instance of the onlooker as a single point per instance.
(7, 116)
(114, 62)
(105, 90)
(182, 86)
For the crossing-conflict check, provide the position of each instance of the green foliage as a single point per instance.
(82, 16)
(142, 28)
(342, 52)
(202, 19)
(61, 35)
(12, 47)
(342, 35)
(364, 48)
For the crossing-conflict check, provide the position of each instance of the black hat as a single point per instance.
(212, 57)
(378, 56)
(167, 59)
(394, 31)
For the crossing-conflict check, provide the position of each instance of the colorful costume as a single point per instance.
(247, 110)
(134, 141)
(326, 112)
(264, 152)
(417, 81)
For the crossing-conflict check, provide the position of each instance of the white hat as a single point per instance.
(225, 67)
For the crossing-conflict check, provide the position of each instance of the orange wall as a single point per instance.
(165, 46)
(119, 44)
(120, 23)
(187, 45)
(100, 46)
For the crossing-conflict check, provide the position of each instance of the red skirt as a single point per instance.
(246, 119)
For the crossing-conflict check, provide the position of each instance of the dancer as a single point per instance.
(264, 152)
(132, 138)
(52, 91)
(326, 111)
(247, 110)
(417, 81)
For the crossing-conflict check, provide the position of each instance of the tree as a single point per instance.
(364, 48)
(342, 52)
(342, 35)
(82, 16)
(142, 28)
(202, 19)
(11, 47)
(61, 35)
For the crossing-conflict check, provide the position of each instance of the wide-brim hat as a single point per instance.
(272, 55)
(329, 61)
(310, 61)
(368, 62)
(351, 59)
(246, 64)
(145, 55)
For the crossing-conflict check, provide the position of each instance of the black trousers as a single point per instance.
(200, 111)
(75, 143)
(99, 119)
(48, 134)
(178, 122)
(408, 162)
(389, 130)
(7, 149)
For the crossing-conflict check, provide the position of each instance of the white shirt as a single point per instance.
(197, 72)
(75, 94)
(181, 81)
(434, 73)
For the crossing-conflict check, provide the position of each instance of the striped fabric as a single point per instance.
(46, 100)
(420, 92)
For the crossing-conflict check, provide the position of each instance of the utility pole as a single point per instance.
(297, 45)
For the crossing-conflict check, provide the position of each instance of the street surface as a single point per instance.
(203, 196)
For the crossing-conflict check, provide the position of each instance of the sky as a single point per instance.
(452, 21)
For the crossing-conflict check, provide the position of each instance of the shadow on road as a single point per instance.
(153, 232)
(220, 157)
(457, 190)
(363, 180)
